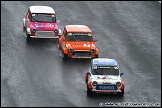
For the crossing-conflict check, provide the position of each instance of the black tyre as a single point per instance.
(121, 93)
(64, 56)
(58, 45)
(96, 56)
(89, 92)
(86, 81)
(28, 37)
(59, 35)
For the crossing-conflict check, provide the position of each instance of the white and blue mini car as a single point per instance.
(104, 77)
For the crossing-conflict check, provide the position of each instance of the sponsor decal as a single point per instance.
(40, 26)
(83, 34)
(106, 87)
(48, 24)
(106, 83)
(110, 67)
(86, 45)
(105, 60)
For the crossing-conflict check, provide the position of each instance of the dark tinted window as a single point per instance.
(101, 70)
(80, 37)
(43, 18)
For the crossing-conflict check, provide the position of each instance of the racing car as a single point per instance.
(77, 41)
(40, 22)
(104, 77)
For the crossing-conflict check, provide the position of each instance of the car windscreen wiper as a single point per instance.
(75, 38)
(97, 73)
(34, 19)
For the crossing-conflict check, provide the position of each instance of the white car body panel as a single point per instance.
(41, 9)
(100, 82)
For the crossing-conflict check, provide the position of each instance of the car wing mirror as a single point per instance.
(27, 20)
(89, 73)
(58, 21)
(121, 74)
(94, 40)
(64, 39)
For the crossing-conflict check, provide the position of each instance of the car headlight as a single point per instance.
(118, 84)
(92, 49)
(94, 83)
(56, 30)
(70, 50)
(34, 30)
(28, 31)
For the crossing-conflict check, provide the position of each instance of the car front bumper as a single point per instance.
(81, 54)
(48, 37)
(106, 91)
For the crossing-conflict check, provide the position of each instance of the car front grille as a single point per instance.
(44, 33)
(81, 54)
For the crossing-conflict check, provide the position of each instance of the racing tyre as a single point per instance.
(59, 35)
(96, 56)
(86, 80)
(121, 93)
(28, 37)
(64, 56)
(89, 92)
(58, 45)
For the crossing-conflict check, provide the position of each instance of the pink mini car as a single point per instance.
(40, 22)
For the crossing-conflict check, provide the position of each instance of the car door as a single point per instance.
(62, 39)
(27, 20)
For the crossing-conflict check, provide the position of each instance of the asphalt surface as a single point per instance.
(34, 74)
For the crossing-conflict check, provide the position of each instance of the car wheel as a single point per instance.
(86, 81)
(89, 92)
(64, 56)
(28, 37)
(121, 93)
(58, 45)
(59, 35)
(96, 56)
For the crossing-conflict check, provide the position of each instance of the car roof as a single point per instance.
(104, 62)
(78, 29)
(41, 9)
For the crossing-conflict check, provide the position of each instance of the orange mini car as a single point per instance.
(77, 41)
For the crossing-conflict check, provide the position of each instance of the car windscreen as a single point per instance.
(80, 37)
(43, 18)
(105, 70)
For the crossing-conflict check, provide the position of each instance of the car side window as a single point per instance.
(65, 35)
(91, 68)
(64, 32)
(29, 16)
